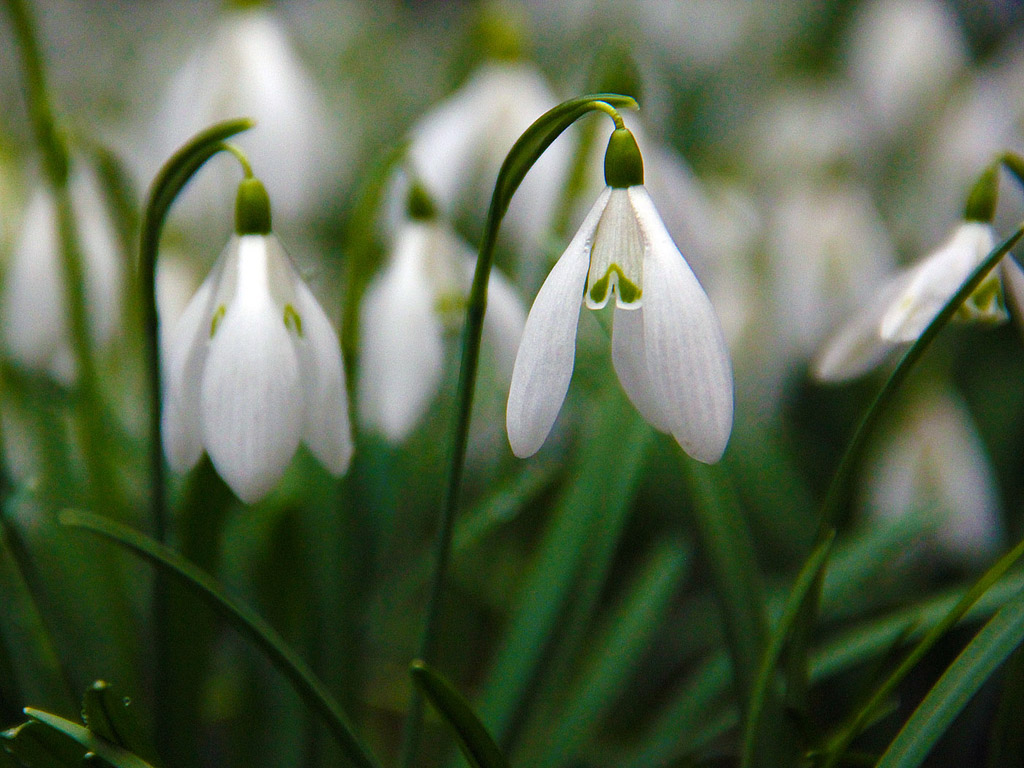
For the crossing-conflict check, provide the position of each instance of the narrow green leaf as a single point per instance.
(243, 619)
(726, 541)
(113, 754)
(1000, 636)
(1006, 745)
(114, 717)
(614, 652)
(36, 666)
(867, 713)
(37, 745)
(475, 742)
(587, 520)
(758, 733)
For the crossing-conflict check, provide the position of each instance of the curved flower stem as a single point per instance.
(168, 183)
(56, 162)
(524, 153)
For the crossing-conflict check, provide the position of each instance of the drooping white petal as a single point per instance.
(547, 351)
(252, 409)
(858, 346)
(327, 431)
(935, 280)
(401, 350)
(630, 360)
(184, 354)
(687, 357)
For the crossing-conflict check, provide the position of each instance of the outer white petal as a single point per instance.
(687, 356)
(184, 354)
(630, 360)
(252, 408)
(327, 431)
(547, 351)
(936, 279)
(858, 346)
(401, 350)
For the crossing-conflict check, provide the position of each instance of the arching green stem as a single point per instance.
(168, 183)
(524, 153)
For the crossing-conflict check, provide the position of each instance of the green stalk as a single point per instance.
(524, 153)
(168, 183)
(56, 161)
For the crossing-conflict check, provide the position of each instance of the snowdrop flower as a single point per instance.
(458, 147)
(249, 67)
(903, 55)
(668, 348)
(254, 366)
(36, 325)
(935, 464)
(407, 309)
(912, 299)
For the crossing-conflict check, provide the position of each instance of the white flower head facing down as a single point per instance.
(254, 367)
(668, 348)
(914, 297)
(34, 313)
(419, 296)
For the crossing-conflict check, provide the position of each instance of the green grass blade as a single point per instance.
(867, 713)
(592, 510)
(111, 753)
(475, 742)
(614, 653)
(758, 732)
(726, 541)
(1003, 633)
(243, 619)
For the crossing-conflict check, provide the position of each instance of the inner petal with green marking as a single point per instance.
(616, 259)
(986, 304)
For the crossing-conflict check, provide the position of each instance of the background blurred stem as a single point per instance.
(56, 162)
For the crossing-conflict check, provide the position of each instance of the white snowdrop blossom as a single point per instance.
(248, 67)
(668, 348)
(910, 301)
(405, 313)
(935, 464)
(36, 324)
(252, 369)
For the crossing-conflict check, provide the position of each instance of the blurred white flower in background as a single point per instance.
(904, 306)
(35, 314)
(457, 148)
(247, 67)
(253, 368)
(828, 250)
(902, 57)
(933, 462)
(406, 312)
